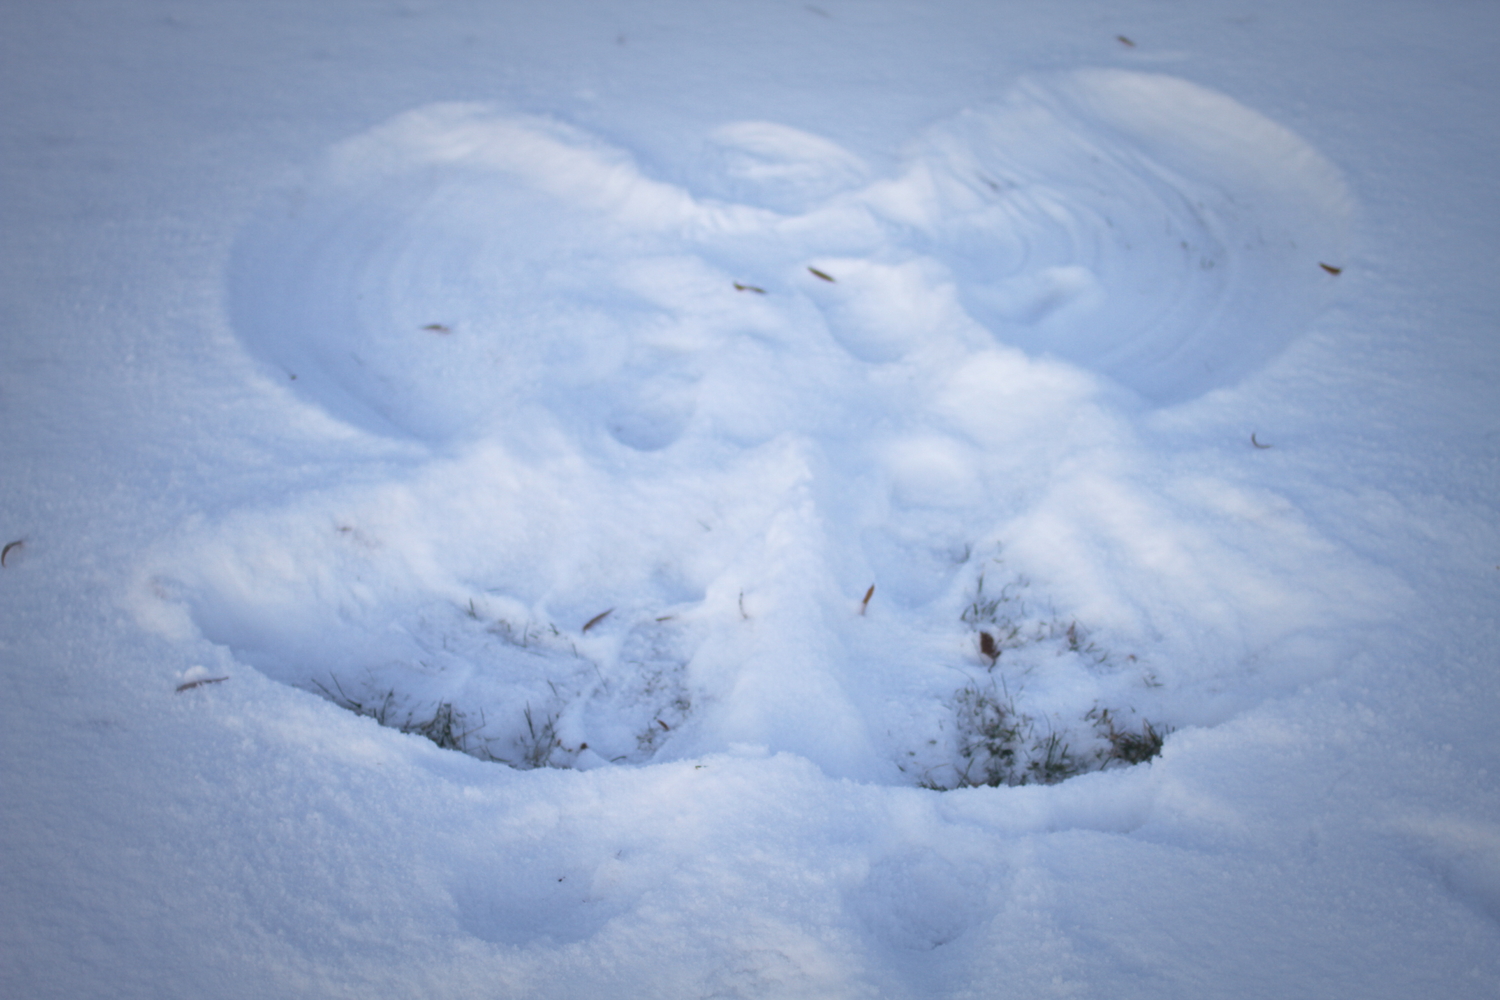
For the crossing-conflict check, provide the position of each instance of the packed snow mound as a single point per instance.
(776, 462)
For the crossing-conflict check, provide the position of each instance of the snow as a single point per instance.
(763, 436)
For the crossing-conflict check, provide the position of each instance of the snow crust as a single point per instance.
(720, 421)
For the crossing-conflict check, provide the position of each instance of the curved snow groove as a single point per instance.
(1136, 225)
(720, 411)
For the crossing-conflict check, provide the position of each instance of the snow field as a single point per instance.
(498, 246)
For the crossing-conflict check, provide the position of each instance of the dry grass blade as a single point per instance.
(200, 683)
(596, 619)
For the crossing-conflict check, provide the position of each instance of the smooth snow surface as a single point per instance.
(778, 443)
